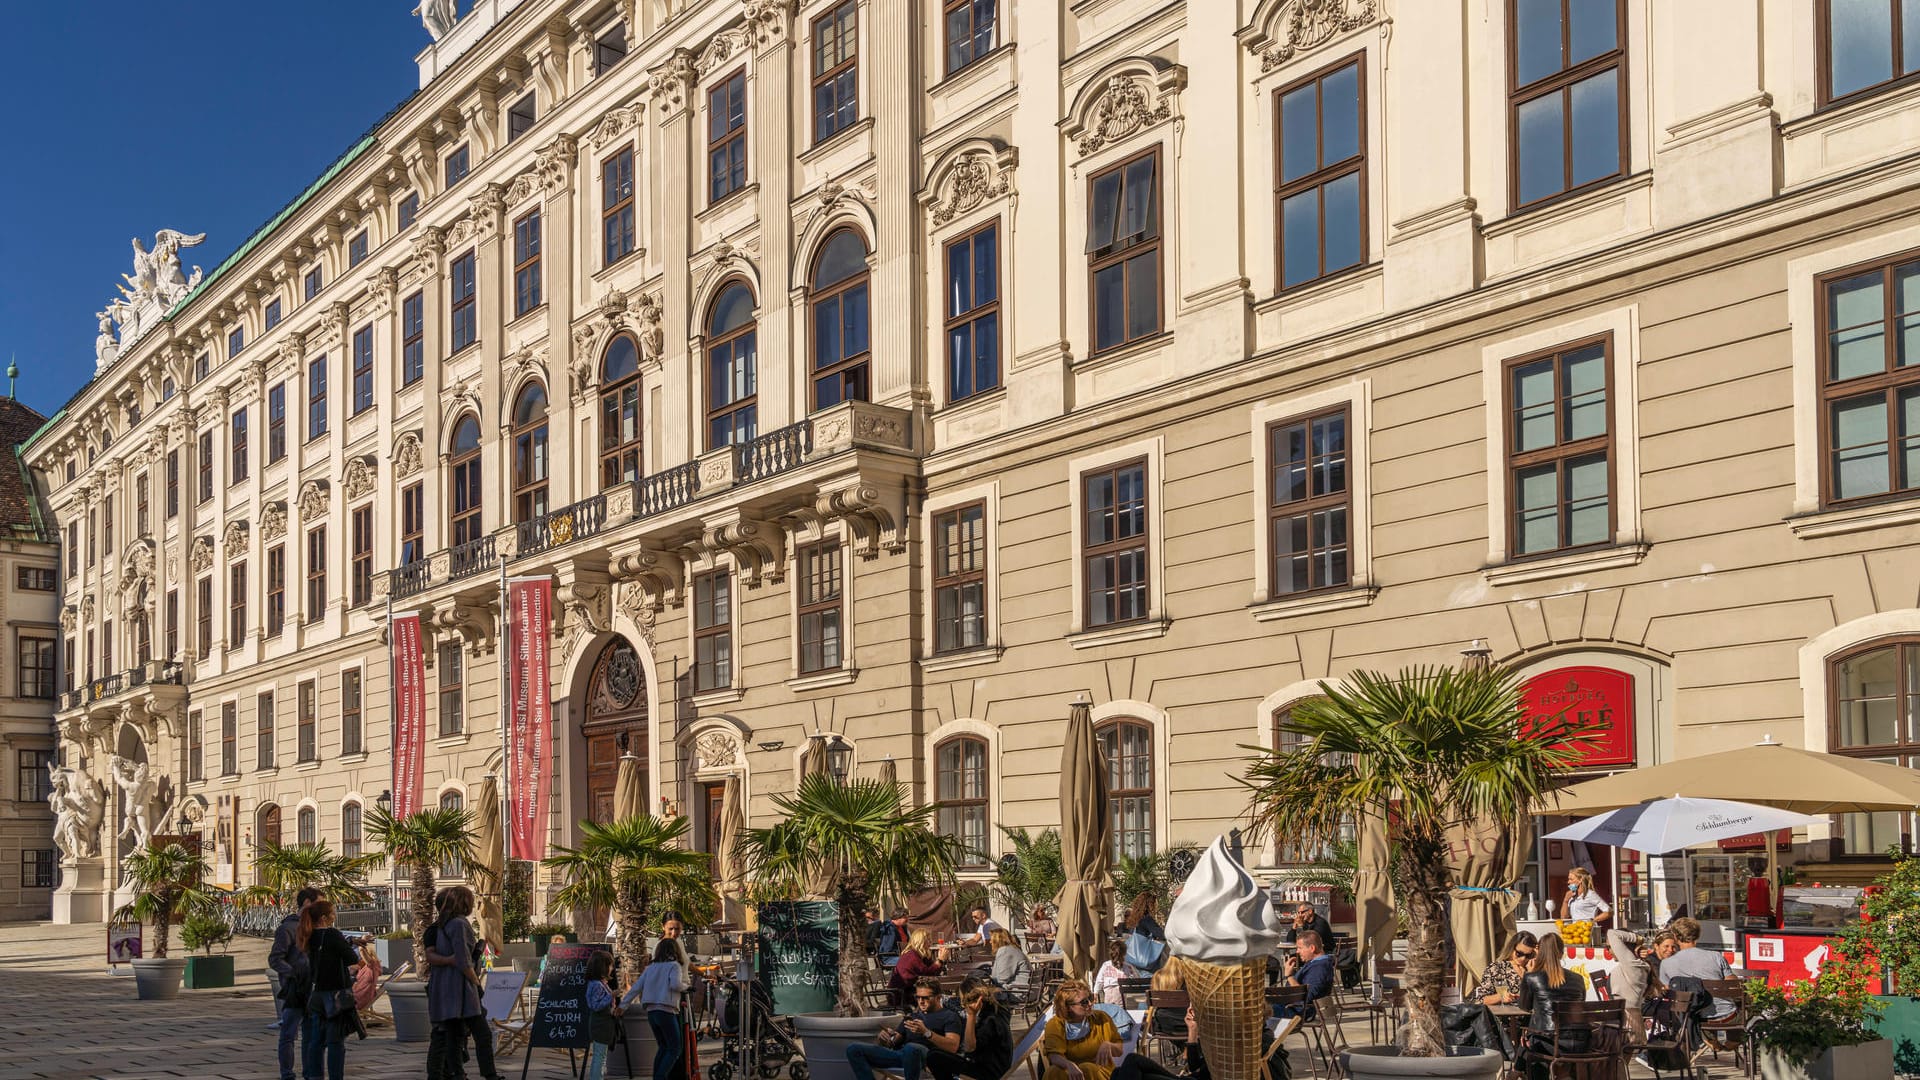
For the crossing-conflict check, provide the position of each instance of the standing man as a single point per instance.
(296, 984)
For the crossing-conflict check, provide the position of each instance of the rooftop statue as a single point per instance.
(438, 15)
(155, 285)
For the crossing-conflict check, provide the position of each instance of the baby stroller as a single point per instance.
(772, 1044)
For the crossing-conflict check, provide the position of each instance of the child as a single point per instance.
(602, 1010)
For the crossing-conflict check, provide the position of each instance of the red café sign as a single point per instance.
(1599, 698)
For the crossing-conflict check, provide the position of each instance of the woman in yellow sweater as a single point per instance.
(1080, 1042)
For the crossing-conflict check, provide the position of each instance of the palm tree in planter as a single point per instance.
(1442, 747)
(286, 869)
(636, 866)
(424, 841)
(167, 881)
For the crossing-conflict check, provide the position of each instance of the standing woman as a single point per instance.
(331, 960)
(662, 983)
(1584, 904)
(1140, 918)
(454, 987)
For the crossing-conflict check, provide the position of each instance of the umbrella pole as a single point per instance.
(1773, 877)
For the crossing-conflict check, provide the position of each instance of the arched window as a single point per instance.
(266, 835)
(530, 453)
(960, 786)
(1289, 851)
(838, 302)
(307, 828)
(733, 369)
(452, 868)
(350, 834)
(1875, 713)
(616, 709)
(1128, 748)
(620, 412)
(464, 455)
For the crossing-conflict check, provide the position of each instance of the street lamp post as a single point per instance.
(384, 802)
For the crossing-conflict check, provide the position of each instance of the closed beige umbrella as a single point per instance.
(1084, 853)
(889, 772)
(813, 762)
(1486, 862)
(486, 871)
(1373, 890)
(629, 786)
(733, 826)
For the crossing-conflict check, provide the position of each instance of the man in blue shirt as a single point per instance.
(932, 1025)
(1311, 967)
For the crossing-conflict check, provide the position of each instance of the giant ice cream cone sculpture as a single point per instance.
(1220, 932)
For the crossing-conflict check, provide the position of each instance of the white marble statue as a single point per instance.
(157, 273)
(105, 349)
(438, 15)
(138, 784)
(78, 805)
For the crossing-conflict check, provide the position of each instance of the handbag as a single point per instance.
(1144, 953)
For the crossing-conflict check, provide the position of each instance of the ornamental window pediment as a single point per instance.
(967, 177)
(1122, 100)
(1282, 30)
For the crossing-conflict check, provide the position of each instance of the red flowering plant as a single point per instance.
(1805, 1017)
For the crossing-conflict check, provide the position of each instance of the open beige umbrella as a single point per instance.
(1084, 855)
(489, 874)
(629, 786)
(1373, 890)
(726, 850)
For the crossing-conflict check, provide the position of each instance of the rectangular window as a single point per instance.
(36, 782)
(229, 739)
(464, 320)
(276, 422)
(526, 264)
(451, 720)
(236, 605)
(409, 210)
(36, 667)
(960, 578)
(362, 577)
(836, 97)
(357, 249)
(106, 648)
(1123, 251)
(141, 519)
(1307, 511)
(350, 712)
(1870, 380)
(36, 868)
(196, 747)
(173, 483)
(413, 524)
(273, 313)
(66, 665)
(610, 48)
(617, 236)
(237, 447)
(317, 397)
(263, 727)
(973, 313)
(206, 465)
(37, 579)
(106, 525)
(236, 340)
(520, 118)
(203, 617)
(204, 363)
(1566, 103)
(309, 737)
(819, 607)
(727, 137)
(1559, 448)
(1867, 45)
(712, 631)
(276, 590)
(1114, 544)
(362, 370)
(316, 574)
(173, 624)
(972, 33)
(93, 537)
(73, 549)
(413, 329)
(166, 393)
(457, 166)
(1321, 194)
(310, 286)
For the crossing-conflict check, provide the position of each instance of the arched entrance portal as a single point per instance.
(266, 835)
(616, 705)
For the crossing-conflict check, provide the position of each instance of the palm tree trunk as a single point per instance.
(630, 939)
(422, 913)
(853, 946)
(163, 926)
(1423, 869)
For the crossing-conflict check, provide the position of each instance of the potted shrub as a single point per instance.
(423, 840)
(207, 931)
(849, 842)
(1819, 1028)
(167, 883)
(1889, 937)
(545, 934)
(1445, 747)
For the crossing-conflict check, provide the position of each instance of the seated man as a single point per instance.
(983, 925)
(1689, 960)
(930, 1026)
(986, 1038)
(1312, 968)
(1307, 917)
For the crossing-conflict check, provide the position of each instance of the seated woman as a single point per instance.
(1011, 969)
(1547, 985)
(1500, 983)
(986, 1042)
(916, 961)
(1079, 1042)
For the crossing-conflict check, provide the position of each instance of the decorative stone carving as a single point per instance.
(524, 361)
(641, 613)
(460, 232)
(1292, 27)
(439, 16)
(715, 750)
(429, 245)
(359, 477)
(758, 548)
(671, 84)
(721, 48)
(273, 520)
(654, 576)
(406, 455)
(386, 287)
(585, 607)
(139, 788)
(970, 180)
(86, 609)
(314, 501)
(79, 805)
(555, 162)
(523, 187)
(653, 335)
(616, 123)
(472, 621)
(235, 538)
(769, 20)
(155, 285)
(874, 522)
(69, 618)
(484, 210)
(1126, 105)
(136, 566)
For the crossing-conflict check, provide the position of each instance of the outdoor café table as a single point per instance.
(1514, 1019)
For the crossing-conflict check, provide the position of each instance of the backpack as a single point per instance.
(1347, 963)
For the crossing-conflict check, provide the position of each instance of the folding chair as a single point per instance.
(1671, 1052)
(1324, 1034)
(506, 1009)
(1278, 998)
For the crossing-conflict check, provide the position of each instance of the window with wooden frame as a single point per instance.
(1870, 381)
(362, 370)
(307, 827)
(203, 617)
(1874, 713)
(454, 867)
(360, 580)
(357, 249)
(530, 453)
(237, 447)
(457, 165)
(37, 867)
(1560, 448)
(351, 712)
(610, 48)
(236, 605)
(526, 263)
(1866, 46)
(307, 719)
(1114, 544)
(452, 680)
(271, 315)
(351, 830)
(1291, 851)
(973, 312)
(413, 331)
(1123, 251)
(521, 117)
(205, 462)
(620, 388)
(317, 397)
(106, 648)
(836, 50)
(229, 739)
(196, 746)
(464, 463)
(960, 788)
(106, 525)
(838, 305)
(276, 591)
(727, 137)
(173, 483)
(66, 665)
(1320, 195)
(73, 549)
(38, 578)
(733, 390)
(409, 210)
(618, 237)
(93, 533)
(263, 730)
(1307, 505)
(960, 578)
(818, 607)
(36, 666)
(276, 422)
(463, 317)
(1127, 746)
(173, 624)
(712, 631)
(311, 285)
(141, 522)
(236, 341)
(1566, 98)
(413, 523)
(316, 574)
(972, 29)
(142, 640)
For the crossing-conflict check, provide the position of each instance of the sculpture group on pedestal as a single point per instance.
(156, 284)
(79, 804)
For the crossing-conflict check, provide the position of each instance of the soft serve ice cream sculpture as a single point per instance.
(1221, 931)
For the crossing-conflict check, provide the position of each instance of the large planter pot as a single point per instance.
(1865, 1061)
(159, 979)
(408, 1000)
(209, 972)
(514, 950)
(826, 1038)
(640, 1044)
(1899, 1022)
(393, 952)
(1363, 1062)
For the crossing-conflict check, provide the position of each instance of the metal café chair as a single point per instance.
(1160, 1005)
(1731, 1028)
(1604, 1027)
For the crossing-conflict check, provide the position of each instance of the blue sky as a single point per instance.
(203, 116)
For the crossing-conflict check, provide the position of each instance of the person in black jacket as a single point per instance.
(1545, 985)
(986, 1040)
(290, 963)
(332, 961)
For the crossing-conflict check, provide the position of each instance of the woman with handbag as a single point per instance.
(330, 1008)
(454, 989)
(603, 1013)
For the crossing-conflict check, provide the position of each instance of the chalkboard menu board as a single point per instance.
(560, 1019)
(800, 955)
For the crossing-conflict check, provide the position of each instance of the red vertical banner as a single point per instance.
(409, 713)
(529, 713)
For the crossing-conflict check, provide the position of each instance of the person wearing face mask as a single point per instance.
(1080, 1042)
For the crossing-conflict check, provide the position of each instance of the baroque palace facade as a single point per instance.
(866, 367)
